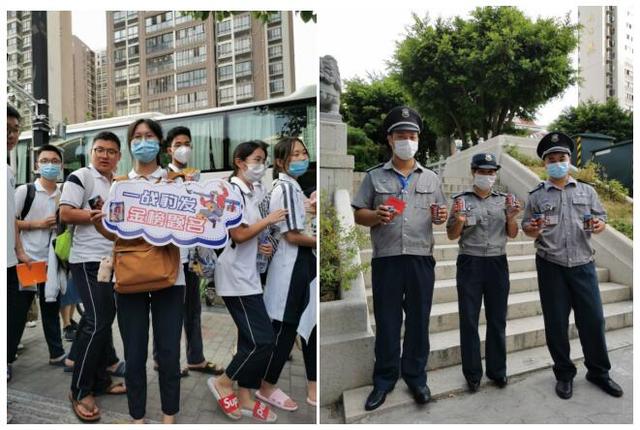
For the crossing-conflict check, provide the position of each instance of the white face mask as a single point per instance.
(255, 172)
(405, 149)
(182, 154)
(484, 182)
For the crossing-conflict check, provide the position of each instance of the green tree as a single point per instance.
(592, 117)
(473, 77)
(263, 15)
(364, 104)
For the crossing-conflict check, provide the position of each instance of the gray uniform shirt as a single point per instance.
(563, 241)
(411, 232)
(485, 231)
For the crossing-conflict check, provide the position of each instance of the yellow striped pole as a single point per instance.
(579, 152)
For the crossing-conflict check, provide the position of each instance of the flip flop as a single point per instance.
(209, 368)
(311, 402)
(229, 403)
(111, 389)
(75, 405)
(260, 412)
(120, 369)
(277, 399)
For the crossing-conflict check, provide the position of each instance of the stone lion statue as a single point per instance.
(330, 86)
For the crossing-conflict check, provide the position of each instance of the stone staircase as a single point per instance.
(525, 339)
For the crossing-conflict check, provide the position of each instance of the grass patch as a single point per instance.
(611, 192)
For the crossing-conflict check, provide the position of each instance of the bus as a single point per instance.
(215, 132)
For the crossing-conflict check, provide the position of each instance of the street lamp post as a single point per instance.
(40, 78)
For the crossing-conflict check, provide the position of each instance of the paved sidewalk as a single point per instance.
(38, 391)
(527, 399)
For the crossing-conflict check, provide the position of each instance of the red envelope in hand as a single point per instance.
(396, 203)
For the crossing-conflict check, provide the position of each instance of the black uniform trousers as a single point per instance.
(50, 313)
(166, 307)
(255, 340)
(562, 289)
(191, 318)
(402, 282)
(18, 304)
(309, 354)
(93, 339)
(478, 278)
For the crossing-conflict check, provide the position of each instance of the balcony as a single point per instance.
(159, 47)
(197, 38)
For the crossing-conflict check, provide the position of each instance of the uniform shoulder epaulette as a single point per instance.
(540, 185)
(462, 194)
(591, 184)
(375, 167)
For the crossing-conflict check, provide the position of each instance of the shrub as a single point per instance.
(337, 249)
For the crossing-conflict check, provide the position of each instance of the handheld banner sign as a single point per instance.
(182, 213)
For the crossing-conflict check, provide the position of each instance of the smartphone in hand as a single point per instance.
(96, 203)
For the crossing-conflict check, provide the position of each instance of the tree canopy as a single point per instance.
(592, 117)
(472, 77)
(263, 15)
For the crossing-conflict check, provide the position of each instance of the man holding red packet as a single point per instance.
(395, 200)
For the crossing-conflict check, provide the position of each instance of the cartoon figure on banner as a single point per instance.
(214, 203)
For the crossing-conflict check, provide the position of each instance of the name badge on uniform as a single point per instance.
(552, 219)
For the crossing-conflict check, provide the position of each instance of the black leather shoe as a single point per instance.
(473, 385)
(421, 395)
(564, 389)
(501, 382)
(607, 385)
(375, 399)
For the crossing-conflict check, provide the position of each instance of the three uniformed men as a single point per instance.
(556, 215)
(482, 219)
(395, 200)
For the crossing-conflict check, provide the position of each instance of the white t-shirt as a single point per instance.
(236, 272)
(184, 252)
(287, 195)
(158, 174)
(12, 260)
(88, 245)
(36, 242)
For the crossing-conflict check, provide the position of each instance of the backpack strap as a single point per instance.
(28, 201)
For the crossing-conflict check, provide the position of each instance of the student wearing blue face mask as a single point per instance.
(163, 306)
(291, 273)
(562, 214)
(36, 206)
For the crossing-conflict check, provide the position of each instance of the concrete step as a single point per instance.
(445, 289)
(450, 251)
(447, 269)
(449, 380)
(521, 333)
(445, 317)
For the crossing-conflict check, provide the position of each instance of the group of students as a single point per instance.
(268, 317)
(400, 200)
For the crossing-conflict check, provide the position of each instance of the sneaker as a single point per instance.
(30, 324)
(69, 333)
(20, 347)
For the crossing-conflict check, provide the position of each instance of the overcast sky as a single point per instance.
(91, 28)
(383, 27)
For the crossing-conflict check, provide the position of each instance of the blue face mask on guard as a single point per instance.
(50, 171)
(298, 168)
(558, 170)
(145, 150)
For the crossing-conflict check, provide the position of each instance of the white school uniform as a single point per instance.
(82, 185)
(236, 273)
(286, 194)
(184, 252)
(12, 260)
(36, 242)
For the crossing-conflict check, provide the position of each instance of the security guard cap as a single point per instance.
(555, 142)
(485, 160)
(402, 118)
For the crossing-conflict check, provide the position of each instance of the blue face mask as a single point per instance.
(298, 168)
(50, 171)
(558, 170)
(145, 150)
